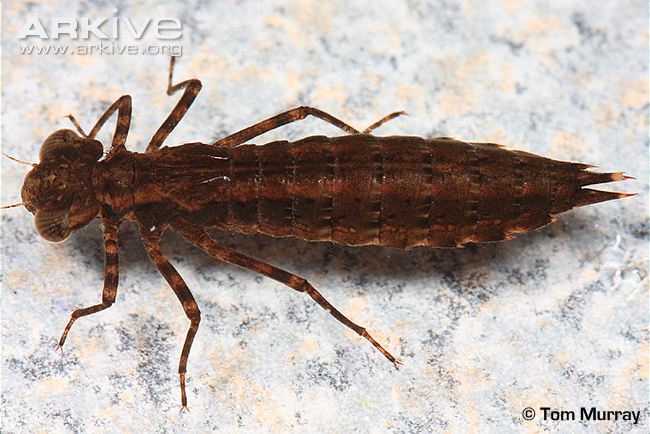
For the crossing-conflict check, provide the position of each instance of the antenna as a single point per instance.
(12, 205)
(19, 161)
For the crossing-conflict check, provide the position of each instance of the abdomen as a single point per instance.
(393, 191)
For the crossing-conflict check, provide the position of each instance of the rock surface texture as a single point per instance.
(556, 318)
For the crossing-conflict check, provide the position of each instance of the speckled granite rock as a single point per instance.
(556, 318)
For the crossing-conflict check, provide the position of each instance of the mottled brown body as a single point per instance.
(356, 189)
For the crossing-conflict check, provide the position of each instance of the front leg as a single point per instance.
(111, 273)
(122, 126)
(184, 295)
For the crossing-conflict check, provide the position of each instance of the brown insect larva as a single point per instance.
(356, 189)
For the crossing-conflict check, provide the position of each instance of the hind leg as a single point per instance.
(202, 240)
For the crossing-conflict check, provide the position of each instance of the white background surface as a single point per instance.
(554, 318)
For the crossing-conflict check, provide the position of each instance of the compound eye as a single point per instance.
(61, 142)
(52, 224)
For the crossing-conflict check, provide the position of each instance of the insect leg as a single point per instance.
(192, 88)
(202, 240)
(123, 107)
(276, 121)
(383, 121)
(111, 273)
(77, 126)
(184, 295)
